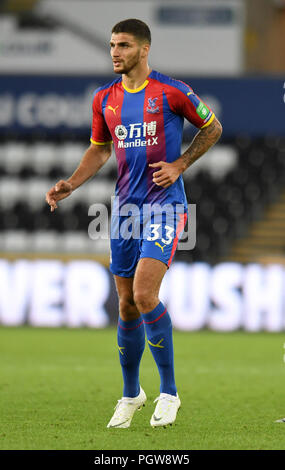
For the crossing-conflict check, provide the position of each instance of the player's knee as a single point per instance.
(144, 300)
(128, 309)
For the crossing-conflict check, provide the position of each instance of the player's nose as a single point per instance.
(115, 52)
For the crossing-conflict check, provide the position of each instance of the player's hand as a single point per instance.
(166, 175)
(61, 190)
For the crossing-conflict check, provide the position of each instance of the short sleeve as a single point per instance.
(100, 133)
(184, 101)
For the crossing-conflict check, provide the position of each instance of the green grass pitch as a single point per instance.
(58, 388)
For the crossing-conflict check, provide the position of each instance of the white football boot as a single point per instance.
(125, 409)
(166, 410)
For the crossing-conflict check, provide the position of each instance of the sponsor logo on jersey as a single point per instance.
(202, 110)
(137, 143)
(121, 132)
(152, 108)
(113, 109)
(142, 134)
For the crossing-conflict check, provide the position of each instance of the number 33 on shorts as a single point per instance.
(155, 234)
(161, 241)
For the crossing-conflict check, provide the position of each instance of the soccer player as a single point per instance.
(141, 114)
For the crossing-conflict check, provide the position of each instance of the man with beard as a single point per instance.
(141, 114)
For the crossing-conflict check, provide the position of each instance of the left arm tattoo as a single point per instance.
(202, 141)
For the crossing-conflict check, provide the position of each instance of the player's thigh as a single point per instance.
(125, 249)
(127, 306)
(161, 237)
(147, 280)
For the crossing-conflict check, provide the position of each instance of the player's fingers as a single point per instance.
(162, 174)
(156, 174)
(59, 187)
(162, 181)
(52, 204)
(49, 194)
(50, 199)
(155, 165)
(166, 185)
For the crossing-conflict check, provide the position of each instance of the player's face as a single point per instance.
(126, 52)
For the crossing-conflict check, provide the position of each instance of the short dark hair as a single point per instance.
(137, 28)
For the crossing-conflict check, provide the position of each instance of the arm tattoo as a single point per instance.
(202, 141)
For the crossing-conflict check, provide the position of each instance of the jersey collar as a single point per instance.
(135, 90)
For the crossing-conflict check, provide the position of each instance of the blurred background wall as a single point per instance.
(53, 55)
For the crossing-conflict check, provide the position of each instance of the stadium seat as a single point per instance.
(231, 188)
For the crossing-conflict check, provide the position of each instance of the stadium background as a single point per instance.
(53, 55)
(59, 366)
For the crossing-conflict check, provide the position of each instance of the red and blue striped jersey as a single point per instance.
(146, 126)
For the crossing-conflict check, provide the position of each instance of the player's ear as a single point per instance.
(145, 49)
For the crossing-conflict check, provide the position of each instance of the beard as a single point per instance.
(126, 67)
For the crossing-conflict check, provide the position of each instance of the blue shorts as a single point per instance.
(155, 238)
